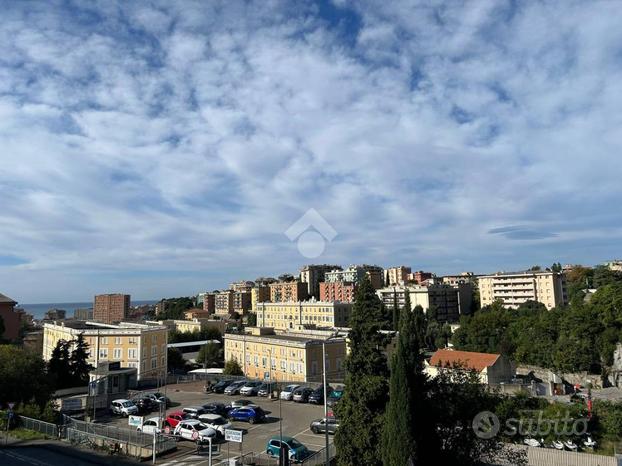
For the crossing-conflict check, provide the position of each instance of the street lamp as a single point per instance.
(326, 395)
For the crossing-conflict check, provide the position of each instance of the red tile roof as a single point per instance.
(477, 361)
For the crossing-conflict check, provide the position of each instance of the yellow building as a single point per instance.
(143, 347)
(286, 357)
(297, 315)
(515, 288)
(259, 294)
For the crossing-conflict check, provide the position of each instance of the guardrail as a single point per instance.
(36, 425)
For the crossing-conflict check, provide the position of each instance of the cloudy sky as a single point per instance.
(165, 148)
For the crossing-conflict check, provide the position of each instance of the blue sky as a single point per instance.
(163, 148)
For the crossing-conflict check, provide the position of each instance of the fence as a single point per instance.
(47, 428)
(319, 457)
(130, 441)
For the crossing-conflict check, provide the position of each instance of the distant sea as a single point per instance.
(39, 310)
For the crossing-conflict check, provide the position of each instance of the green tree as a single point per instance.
(78, 362)
(362, 406)
(402, 434)
(232, 367)
(211, 355)
(251, 319)
(22, 376)
(59, 367)
(175, 359)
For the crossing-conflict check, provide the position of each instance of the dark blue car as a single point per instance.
(251, 414)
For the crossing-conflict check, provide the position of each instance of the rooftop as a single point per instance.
(477, 361)
(6, 299)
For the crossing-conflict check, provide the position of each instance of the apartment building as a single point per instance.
(132, 345)
(209, 303)
(191, 325)
(337, 291)
(396, 275)
(464, 277)
(283, 292)
(313, 275)
(355, 273)
(420, 277)
(244, 286)
(448, 302)
(111, 308)
(514, 288)
(296, 315)
(223, 302)
(286, 357)
(242, 301)
(11, 317)
(259, 294)
(83, 314)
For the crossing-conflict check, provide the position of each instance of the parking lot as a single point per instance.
(295, 419)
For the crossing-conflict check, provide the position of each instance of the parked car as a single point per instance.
(158, 398)
(151, 426)
(216, 422)
(288, 392)
(241, 403)
(219, 387)
(250, 414)
(123, 407)
(193, 412)
(296, 450)
(250, 388)
(145, 404)
(215, 408)
(265, 389)
(174, 418)
(193, 429)
(234, 388)
(301, 394)
(334, 396)
(319, 426)
(317, 396)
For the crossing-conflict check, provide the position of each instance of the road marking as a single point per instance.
(25, 459)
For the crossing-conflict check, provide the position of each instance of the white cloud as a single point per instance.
(144, 142)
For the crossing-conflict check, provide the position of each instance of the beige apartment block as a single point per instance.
(286, 357)
(259, 294)
(396, 275)
(224, 302)
(295, 315)
(192, 325)
(140, 346)
(515, 288)
(284, 292)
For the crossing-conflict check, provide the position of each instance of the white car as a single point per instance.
(195, 430)
(123, 407)
(251, 388)
(288, 392)
(151, 426)
(216, 422)
(193, 411)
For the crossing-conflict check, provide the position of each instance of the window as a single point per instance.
(153, 339)
(143, 366)
(314, 368)
(144, 352)
(283, 366)
(117, 340)
(103, 353)
(264, 361)
(256, 360)
(154, 350)
(104, 340)
(154, 363)
(132, 340)
(116, 353)
(292, 368)
(132, 353)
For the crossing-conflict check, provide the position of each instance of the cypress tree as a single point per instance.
(58, 365)
(361, 410)
(396, 312)
(79, 366)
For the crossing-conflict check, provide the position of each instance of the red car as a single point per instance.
(174, 418)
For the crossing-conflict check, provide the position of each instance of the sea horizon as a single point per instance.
(38, 310)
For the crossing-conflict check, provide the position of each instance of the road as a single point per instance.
(34, 455)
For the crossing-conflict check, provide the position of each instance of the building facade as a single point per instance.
(355, 273)
(244, 286)
(259, 294)
(312, 275)
(83, 314)
(132, 345)
(337, 291)
(514, 289)
(420, 276)
(396, 275)
(11, 318)
(297, 315)
(287, 357)
(462, 278)
(242, 302)
(284, 292)
(111, 308)
(447, 301)
(223, 302)
(492, 369)
(209, 303)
